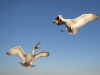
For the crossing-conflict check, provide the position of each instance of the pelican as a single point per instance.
(73, 24)
(27, 58)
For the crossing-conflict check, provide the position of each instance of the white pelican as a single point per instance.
(27, 58)
(73, 24)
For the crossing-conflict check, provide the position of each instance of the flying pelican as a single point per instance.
(73, 24)
(27, 58)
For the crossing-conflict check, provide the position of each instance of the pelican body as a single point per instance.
(27, 58)
(73, 24)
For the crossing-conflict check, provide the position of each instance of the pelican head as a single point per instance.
(36, 46)
(58, 20)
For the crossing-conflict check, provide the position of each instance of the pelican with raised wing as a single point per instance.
(73, 24)
(27, 58)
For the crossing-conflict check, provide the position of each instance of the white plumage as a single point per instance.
(27, 58)
(73, 24)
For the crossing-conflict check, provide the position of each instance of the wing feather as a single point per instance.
(17, 51)
(83, 19)
(42, 54)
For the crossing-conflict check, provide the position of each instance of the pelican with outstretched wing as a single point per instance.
(27, 58)
(73, 24)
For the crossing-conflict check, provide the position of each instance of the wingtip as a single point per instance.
(48, 54)
(7, 53)
(97, 16)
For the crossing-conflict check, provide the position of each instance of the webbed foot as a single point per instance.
(62, 30)
(21, 63)
(32, 65)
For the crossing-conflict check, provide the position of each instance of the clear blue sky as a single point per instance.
(26, 22)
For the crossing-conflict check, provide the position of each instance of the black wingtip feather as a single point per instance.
(48, 54)
(97, 16)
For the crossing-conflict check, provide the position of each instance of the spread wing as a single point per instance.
(42, 54)
(17, 51)
(83, 19)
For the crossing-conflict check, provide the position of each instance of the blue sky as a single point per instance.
(26, 22)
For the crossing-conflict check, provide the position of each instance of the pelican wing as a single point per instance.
(17, 51)
(83, 19)
(41, 54)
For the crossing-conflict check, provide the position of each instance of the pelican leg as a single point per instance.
(32, 65)
(21, 63)
(63, 30)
